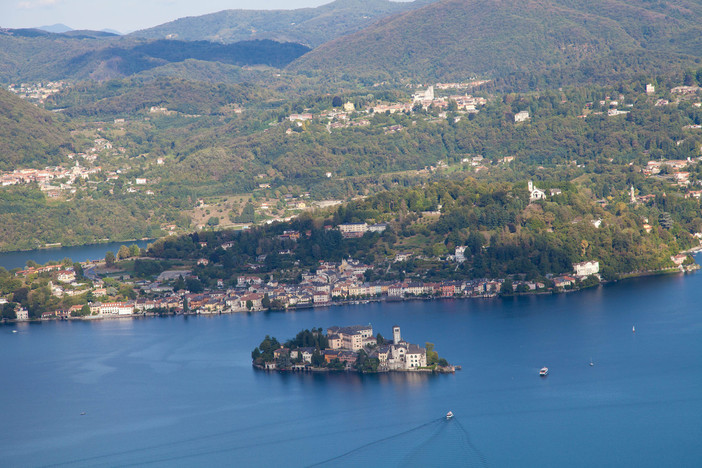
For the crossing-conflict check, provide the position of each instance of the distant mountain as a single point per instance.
(29, 136)
(32, 54)
(309, 26)
(529, 42)
(116, 61)
(111, 31)
(89, 33)
(56, 28)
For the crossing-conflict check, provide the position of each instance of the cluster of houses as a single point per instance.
(330, 283)
(36, 92)
(57, 180)
(44, 177)
(341, 118)
(675, 168)
(345, 344)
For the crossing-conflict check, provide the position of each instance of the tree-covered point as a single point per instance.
(503, 232)
(264, 351)
(314, 338)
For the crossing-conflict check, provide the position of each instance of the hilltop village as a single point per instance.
(348, 348)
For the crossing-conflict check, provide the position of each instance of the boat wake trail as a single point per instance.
(481, 457)
(376, 442)
(439, 442)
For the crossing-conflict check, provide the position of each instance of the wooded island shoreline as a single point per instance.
(351, 348)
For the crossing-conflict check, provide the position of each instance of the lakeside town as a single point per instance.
(98, 291)
(348, 348)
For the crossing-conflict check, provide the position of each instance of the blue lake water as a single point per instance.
(80, 253)
(180, 391)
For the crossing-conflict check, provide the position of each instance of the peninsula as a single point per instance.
(352, 348)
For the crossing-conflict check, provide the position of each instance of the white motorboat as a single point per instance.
(449, 415)
(543, 372)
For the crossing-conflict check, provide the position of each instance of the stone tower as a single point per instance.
(396, 337)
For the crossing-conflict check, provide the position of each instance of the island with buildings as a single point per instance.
(352, 348)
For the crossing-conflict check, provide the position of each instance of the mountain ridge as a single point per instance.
(34, 55)
(458, 38)
(308, 26)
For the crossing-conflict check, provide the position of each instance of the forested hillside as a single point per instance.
(310, 26)
(29, 220)
(527, 44)
(125, 97)
(555, 136)
(45, 56)
(30, 136)
(504, 234)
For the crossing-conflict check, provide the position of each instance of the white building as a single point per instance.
(353, 338)
(378, 227)
(353, 229)
(427, 95)
(116, 308)
(460, 254)
(535, 193)
(521, 116)
(588, 268)
(402, 355)
(650, 89)
(21, 313)
(66, 276)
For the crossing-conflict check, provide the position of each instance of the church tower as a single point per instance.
(396, 337)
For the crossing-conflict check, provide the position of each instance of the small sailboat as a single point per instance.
(543, 372)
(591, 363)
(449, 415)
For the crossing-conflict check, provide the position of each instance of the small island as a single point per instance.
(352, 348)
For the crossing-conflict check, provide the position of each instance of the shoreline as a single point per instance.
(58, 245)
(143, 315)
(320, 370)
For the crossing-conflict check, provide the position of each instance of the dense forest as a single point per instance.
(504, 234)
(29, 220)
(30, 136)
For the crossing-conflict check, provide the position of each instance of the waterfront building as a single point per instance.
(588, 268)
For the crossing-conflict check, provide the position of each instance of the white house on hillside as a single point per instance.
(521, 116)
(535, 193)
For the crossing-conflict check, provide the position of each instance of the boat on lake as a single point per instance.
(449, 415)
(543, 372)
